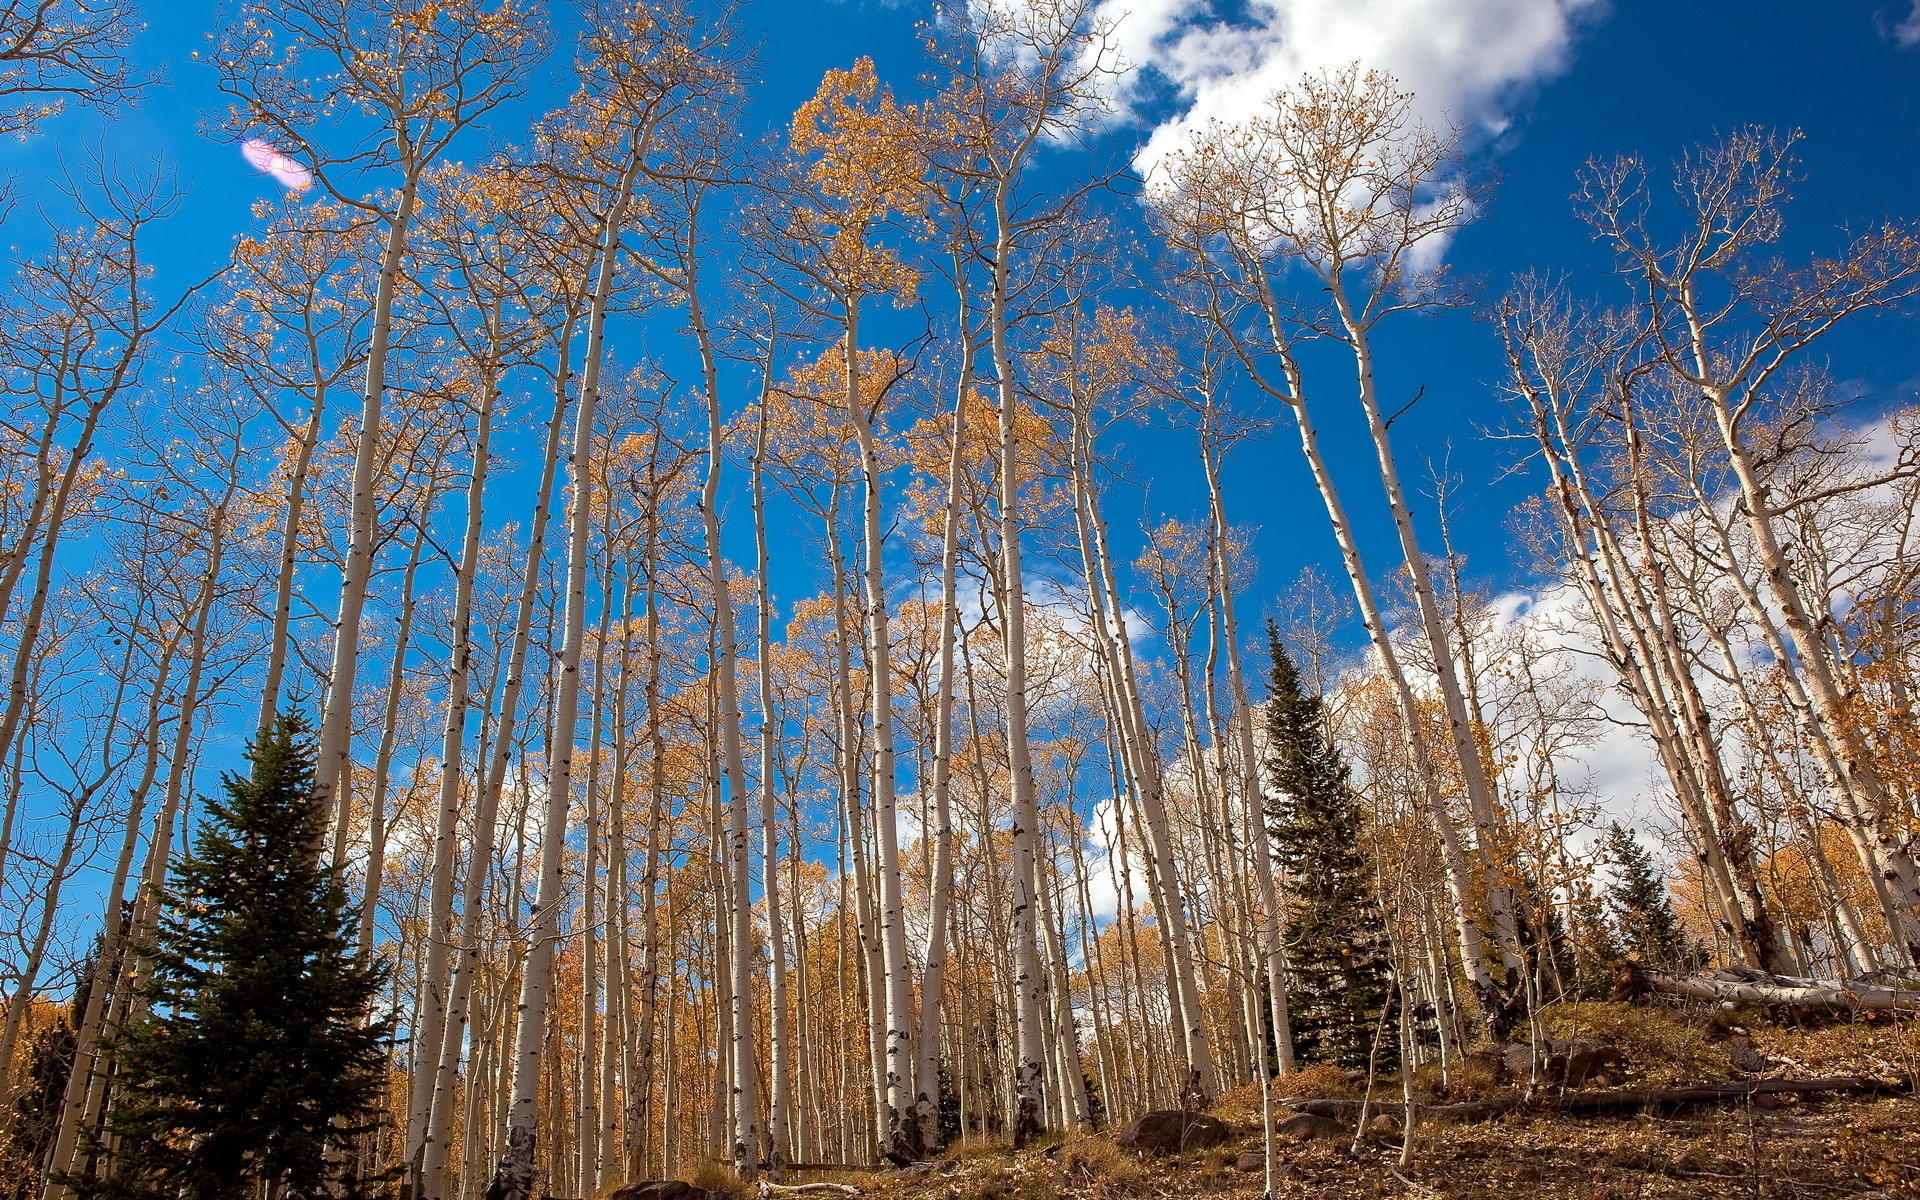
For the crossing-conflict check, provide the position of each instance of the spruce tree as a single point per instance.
(256, 1060)
(1341, 974)
(1642, 913)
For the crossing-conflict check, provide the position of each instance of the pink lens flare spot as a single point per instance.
(262, 157)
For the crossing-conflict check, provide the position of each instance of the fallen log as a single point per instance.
(1617, 1099)
(1747, 986)
(1476, 1110)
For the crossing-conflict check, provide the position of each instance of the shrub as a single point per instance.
(718, 1177)
(1094, 1158)
(1321, 1080)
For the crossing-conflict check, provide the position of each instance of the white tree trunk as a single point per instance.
(436, 975)
(513, 1178)
(1253, 795)
(780, 1133)
(933, 979)
(336, 719)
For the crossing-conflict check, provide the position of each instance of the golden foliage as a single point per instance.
(865, 163)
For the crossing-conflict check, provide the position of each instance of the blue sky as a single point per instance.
(1631, 77)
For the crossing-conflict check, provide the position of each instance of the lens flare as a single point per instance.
(262, 157)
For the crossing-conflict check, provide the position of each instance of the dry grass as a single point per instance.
(1873, 1044)
(1805, 1151)
(976, 1146)
(1661, 1048)
(1094, 1158)
(1466, 1080)
(1320, 1081)
(717, 1177)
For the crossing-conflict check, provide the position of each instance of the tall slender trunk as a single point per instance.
(748, 1140)
(933, 980)
(389, 732)
(513, 1178)
(780, 1134)
(640, 1112)
(436, 975)
(86, 1093)
(592, 946)
(336, 720)
(491, 782)
(104, 975)
(1143, 768)
(1074, 1109)
(1482, 802)
(1630, 634)
(278, 636)
(1253, 795)
(903, 1125)
(1029, 980)
(1463, 881)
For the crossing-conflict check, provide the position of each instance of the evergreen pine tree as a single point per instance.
(1341, 974)
(1642, 914)
(256, 1061)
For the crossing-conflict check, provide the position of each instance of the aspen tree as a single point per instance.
(558, 318)
(1019, 78)
(84, 320)
(426, 71)
(56, 52)
(149, 644)
(292, 325)
(1218, 431)
(87, 1090)
(613, 142)
(1090, 362)
(780, 1126)
(704, 77)
(862, 162)
(933, 978)
(79, 782)
(485, 318)
(1240, 206)
(106, 968)
(1727, 330)
(1555, 362)
(1564, 360)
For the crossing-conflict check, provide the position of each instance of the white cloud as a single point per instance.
(1907, 32)
(1466, 61)
(1619, 765)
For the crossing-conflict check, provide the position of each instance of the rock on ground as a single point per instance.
(1171, 1131)
(1569, 1061)
(663, 1189)
(1306, 1127)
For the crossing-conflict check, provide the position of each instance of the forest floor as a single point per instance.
(1761, 1148)
(1849, 1147)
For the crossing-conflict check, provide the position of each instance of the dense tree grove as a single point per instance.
(736, 732)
